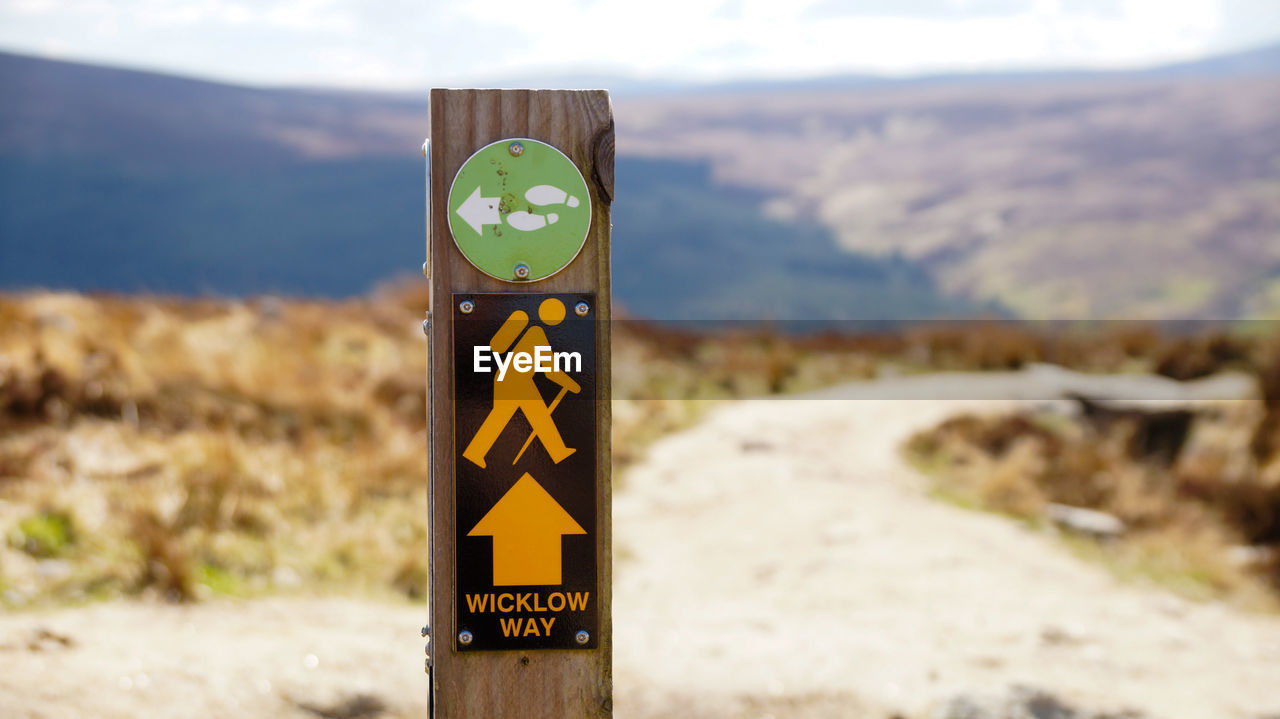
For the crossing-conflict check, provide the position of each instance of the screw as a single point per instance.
(426, 327)
(521, 271)
(425, 630)
(466, 307)
(465, 637)
(582, 637)
(581, 309)
(516, 149)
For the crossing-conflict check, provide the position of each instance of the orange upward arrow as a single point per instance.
(526, 526)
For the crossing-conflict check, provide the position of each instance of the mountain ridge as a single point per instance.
(1261, 58)
(913, 200)
(118, 181)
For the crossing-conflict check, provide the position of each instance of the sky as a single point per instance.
(403, 45)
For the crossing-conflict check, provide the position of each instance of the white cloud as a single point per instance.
(403, 43)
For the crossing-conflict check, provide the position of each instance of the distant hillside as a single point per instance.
(1255, 61)
(1152, 194)
(1261, 60)
(126, 181)
(1136, 195)
(59, 109)
(685, 248)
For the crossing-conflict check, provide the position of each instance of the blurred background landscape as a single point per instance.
(979, 318)
(1085, 195)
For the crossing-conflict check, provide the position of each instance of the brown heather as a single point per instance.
(1201, 503)
(190, 447)
(183, 448)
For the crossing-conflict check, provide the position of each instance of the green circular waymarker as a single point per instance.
(519, 210)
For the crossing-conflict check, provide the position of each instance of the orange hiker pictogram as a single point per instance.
(518, 391)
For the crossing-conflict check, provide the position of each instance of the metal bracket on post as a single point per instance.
(426, 155)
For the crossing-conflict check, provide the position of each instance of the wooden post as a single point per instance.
(511, 683)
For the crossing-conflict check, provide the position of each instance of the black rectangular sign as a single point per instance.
(524, 389)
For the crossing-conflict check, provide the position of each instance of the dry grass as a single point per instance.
(182, 448)
(1203, 519)
(209, 446)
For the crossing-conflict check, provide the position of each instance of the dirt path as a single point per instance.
(778, 559)
(782, 549)
(268, 658)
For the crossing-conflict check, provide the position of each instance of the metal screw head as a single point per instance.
(465, 637)
(516, 149)
(426, 327)
(466, 307)
(521, 271)
(581, 309)
(582, 637)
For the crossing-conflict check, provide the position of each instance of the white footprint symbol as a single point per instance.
(549, 195)
(541, 195)
(529, 222)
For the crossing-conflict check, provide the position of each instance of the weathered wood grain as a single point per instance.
(516, 685)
